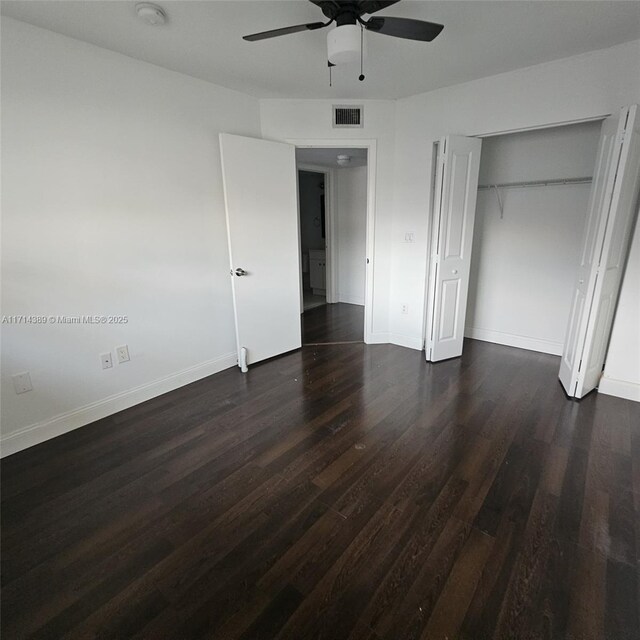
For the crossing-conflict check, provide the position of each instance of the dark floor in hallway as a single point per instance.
(337, 492)
(339, 322)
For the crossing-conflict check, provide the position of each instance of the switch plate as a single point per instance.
(22, 382)
(409, 237)
(405, 309)
(107, 361)
(123, 354)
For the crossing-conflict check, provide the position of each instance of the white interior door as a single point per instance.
(612, 207)
(260, 190)
(452, 237)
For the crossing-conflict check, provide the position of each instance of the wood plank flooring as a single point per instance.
(340, 492)
(339, 322)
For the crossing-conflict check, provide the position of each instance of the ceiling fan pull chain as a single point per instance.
(361, 76)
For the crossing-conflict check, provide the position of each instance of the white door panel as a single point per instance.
(260, 189)
(613, 207)
(454, 214)
(599, 199)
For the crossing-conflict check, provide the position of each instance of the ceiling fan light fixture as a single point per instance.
(343, 44)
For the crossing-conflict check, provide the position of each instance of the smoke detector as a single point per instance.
(150, 13)
(344, 160)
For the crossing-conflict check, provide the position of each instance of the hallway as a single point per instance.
(333, 323)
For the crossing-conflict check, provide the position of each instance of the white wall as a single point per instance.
(112, 204)
(311, 120)
(622, 368)
(523, 265)
(352, 226)
(580, 87)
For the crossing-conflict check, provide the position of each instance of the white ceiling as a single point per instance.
(328, 157)
(204, 39)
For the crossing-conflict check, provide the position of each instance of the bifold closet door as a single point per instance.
(260, 190)
(452, 238)
(612, 207)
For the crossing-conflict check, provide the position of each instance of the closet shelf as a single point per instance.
(537, 183)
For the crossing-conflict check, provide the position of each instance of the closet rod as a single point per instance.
(537, 183)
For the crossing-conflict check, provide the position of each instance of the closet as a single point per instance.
(529, 241)
(531, 209)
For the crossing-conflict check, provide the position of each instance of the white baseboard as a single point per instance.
(411, 342)
(619, 388)
(512, 340)
(383, 337)
(349, 299)
(39, 432)
(379, 337)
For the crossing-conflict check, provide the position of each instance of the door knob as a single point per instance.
(454, 271)
(240, 272)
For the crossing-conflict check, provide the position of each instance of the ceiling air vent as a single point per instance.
(347, 116)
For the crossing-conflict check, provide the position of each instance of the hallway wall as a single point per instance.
(352, 229)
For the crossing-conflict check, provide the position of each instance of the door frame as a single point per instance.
(370, 146)
(434, 167)
(329, 228)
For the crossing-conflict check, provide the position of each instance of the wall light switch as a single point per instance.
(107, 361)
(409, 237)
(22, 382)
(405, 309)
(123, 354)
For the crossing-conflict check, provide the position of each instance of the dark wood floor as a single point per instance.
(337, 492)
(337, 322)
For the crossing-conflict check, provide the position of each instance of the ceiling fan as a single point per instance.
(345, 40)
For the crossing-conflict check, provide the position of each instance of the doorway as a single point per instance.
(333, 205)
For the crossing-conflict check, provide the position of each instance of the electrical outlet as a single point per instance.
(107, 361)
(123, 354)
(405, 309)
(22, 382)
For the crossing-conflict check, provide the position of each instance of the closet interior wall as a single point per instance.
(527, 238)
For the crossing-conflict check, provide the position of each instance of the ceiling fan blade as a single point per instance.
(404, 28)
(371, 6)
(330, 8)
(274, 33)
